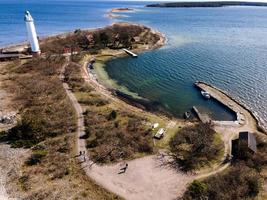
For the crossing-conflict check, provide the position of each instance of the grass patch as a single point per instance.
(163, 143)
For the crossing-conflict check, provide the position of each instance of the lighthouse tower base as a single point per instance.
(36, 54)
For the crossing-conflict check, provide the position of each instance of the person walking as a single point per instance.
(123, 170)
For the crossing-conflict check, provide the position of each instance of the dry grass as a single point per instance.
(44, 108)
(58, 175)
(48, 125)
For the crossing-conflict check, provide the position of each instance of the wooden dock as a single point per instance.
(204, 118)
(130, 53)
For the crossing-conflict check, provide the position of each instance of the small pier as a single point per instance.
(130, 53)
(204, 118)
(226, 101)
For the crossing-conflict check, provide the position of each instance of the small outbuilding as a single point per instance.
(246, 143)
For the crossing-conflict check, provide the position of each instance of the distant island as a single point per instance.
(206, 4)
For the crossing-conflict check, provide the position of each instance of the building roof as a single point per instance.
(250, 139)
(8, 56)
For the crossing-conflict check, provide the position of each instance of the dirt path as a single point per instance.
(145, 178)
(3, 193)
(11, 160)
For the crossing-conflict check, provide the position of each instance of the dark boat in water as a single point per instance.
(187, 115)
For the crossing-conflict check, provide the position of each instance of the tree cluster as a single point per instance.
(194, 146)
(239, 182)
(115, 37)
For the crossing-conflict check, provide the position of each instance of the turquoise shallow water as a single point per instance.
(223, 46)
(226, 47)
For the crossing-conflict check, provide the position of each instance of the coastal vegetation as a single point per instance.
(243, 180)
(117, 36)
(44, 113)
(47, 120)
(111, 134)
(47, 125)
(195, 146)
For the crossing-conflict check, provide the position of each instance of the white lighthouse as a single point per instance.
(32, 36)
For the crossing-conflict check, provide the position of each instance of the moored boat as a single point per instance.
(205, 94)
(187, 115)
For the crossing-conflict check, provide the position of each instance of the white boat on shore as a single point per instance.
(205, 94)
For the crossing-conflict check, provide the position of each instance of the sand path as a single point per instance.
(145, 178)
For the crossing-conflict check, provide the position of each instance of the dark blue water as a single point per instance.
(223, 46)
(226, 47)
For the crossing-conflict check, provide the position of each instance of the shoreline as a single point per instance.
(120, 92)
(129, 98)
(126, 97)
(260, 127)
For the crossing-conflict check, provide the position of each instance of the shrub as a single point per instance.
(194, 146)
(112, 115)
(239, 182)
(197, 190)
(109, 142)
(34, 159)
(25, 134)
(23, 182)
(256, 160)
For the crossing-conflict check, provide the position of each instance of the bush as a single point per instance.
(197, 190)
(239, 182)
(195, 146)
(256, 160)
(23, 182)
(25, 134)
(112, 115)
(109, 142)
(34, 159)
